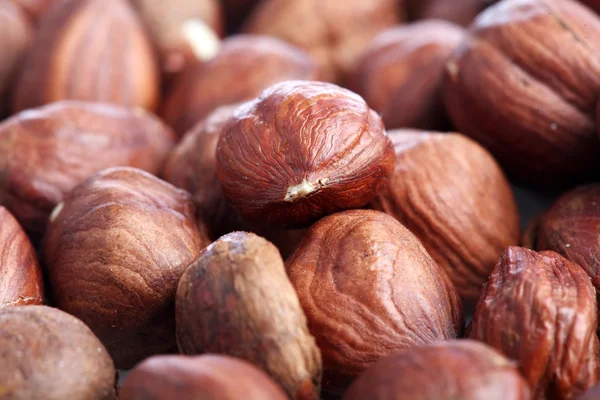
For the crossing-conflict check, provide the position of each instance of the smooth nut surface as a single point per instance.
(303, 150)
(115, 251)
(539, 309)
(460, 12)
(236, 299)
(369, 289)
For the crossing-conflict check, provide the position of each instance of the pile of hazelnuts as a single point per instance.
(299, 199)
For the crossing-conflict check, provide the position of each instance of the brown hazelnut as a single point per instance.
(453, 196)
(245, 66)
(303, 150)
(94, 50)
(213, 377)
(454, 369)
(35, 8)
(369, 289)
(335, 32)
(115, 250)
(525, 85)
(45, 152)
(236, 299)
(400, 73)
(539, 309)
(461, 12)
(48, 354)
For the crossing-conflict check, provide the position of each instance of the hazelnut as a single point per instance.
(94, 50)
(115, 250)
(201, 377)
(245, 66)
(236, 299)
(400, 74)
(35, 8)
(369, 289)
(335, 32)
(455, 369)
(539, 309)
(525, 85)
(21, 280)
(303, 150)
(453, 196)
(45, 152)
(461, 12)
(48, 354)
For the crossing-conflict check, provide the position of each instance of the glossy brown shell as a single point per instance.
(48, 354)
(525, 85)
(369, 289)
(454, 369)
(453, 196)
(115, 250)
(46, 151)
(303, 150)
(539, 309)
(461, 12)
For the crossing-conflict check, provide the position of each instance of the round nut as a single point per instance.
(461, 12)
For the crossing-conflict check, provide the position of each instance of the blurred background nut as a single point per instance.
(401, 72)
(48, 354)
(45, 152)
(539, 309)
(245, 66)
(94, 50)
(453, 196)
(455, 369)
(236, 299)
(201, 377)
(300, 151)
(115, 250)
(21, 280)
(461, 12)
(525, 85)
(369, 289)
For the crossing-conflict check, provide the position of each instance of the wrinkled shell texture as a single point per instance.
(115, 252)
(245, 66)
(45, 152)
(210, 377)
(21, 280)
(539, 309)
(94, 50)
(303, 150)
(525, 85)
(369, 289)
(453, 196)
(48, 354)
(236, 299)
(460, 12)
(400, 74)
(335, 32)
(465, 370)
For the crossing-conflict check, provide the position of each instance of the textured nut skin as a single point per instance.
(454, 197)
(211, 377)
(335, 32)
(454, 369)
(514, 87)
(303, 150)
(401, 72)
(35, 8)
(236, 299)
(461, 12)
(539, 309)
(93, 50)
(21, 281)
(48, 354)
(245, 66)
(115, 252)
(369, 289)
(45, 152)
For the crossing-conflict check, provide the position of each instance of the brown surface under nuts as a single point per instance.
(454, 369)
(115, 250)
(453, 196)
(236, 299)
(460, 12)
(540, 310)
(48, 354)
(369, 289)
